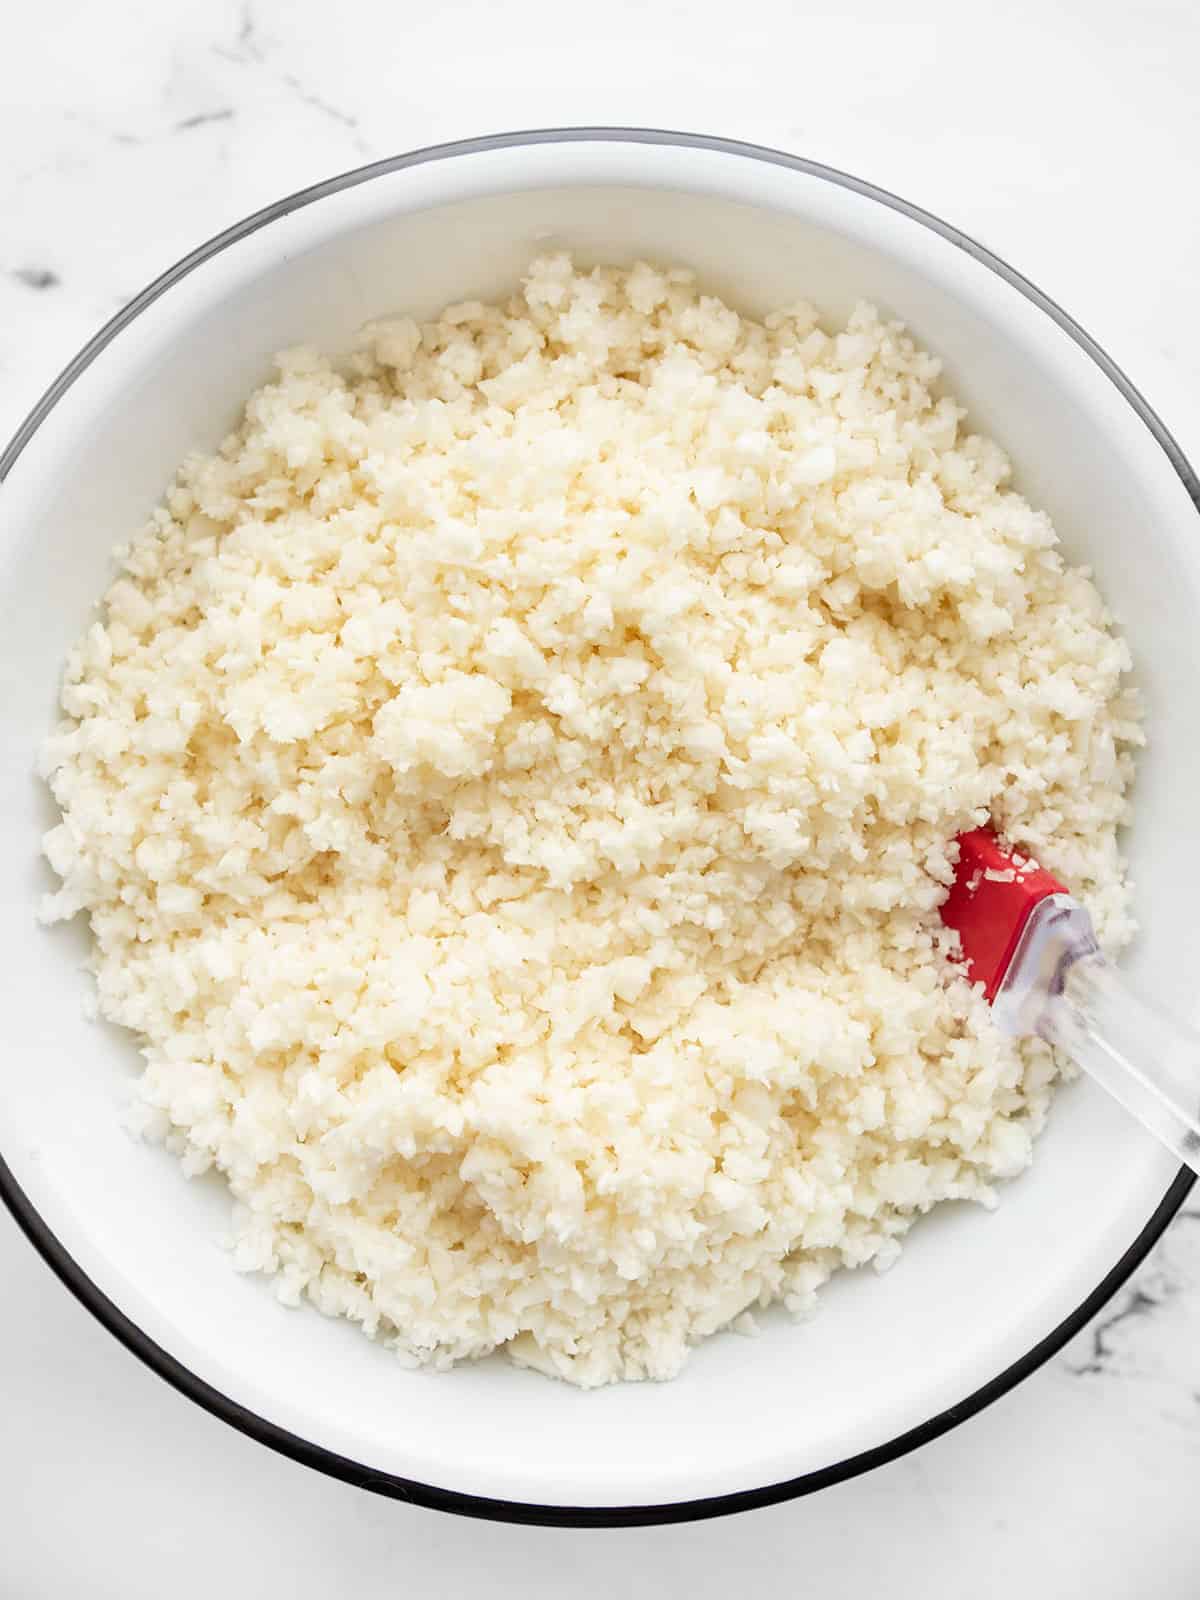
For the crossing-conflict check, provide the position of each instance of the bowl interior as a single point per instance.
(973, 1293)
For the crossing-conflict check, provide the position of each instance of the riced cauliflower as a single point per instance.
(513, 783)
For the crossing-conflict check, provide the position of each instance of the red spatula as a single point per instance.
(1031, 946)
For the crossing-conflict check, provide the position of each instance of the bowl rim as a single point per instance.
(220, 1405)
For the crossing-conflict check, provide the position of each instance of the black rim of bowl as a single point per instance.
(397, 1488)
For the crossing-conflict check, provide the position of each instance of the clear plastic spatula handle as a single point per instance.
(1058, 985)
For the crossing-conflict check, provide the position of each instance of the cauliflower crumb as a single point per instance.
(511, 784)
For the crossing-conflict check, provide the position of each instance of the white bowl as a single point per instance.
(977, 1300)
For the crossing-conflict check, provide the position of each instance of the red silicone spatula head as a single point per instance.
(990, 903)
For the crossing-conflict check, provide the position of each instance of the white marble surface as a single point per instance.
(1063, 135)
